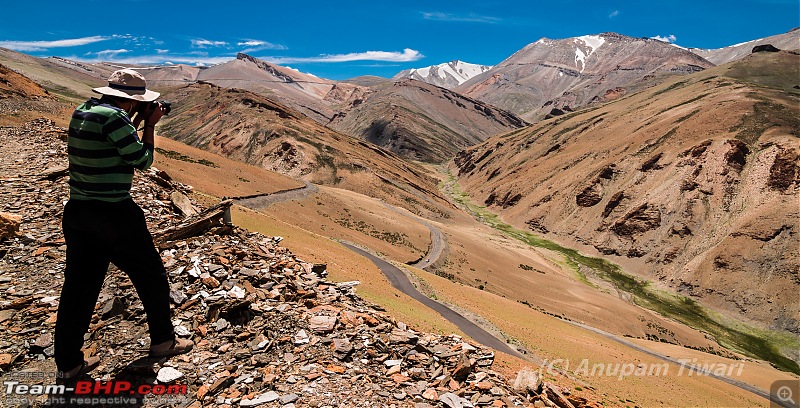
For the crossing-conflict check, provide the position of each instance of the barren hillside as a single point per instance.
(420, 121)
(251, 128)
(692, 183)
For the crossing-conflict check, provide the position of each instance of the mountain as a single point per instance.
(554, 76)
(420, 121)
(693, 183)
(416, 120)
(254, 129)
(786, 41)
(303, 92)
(448, 75)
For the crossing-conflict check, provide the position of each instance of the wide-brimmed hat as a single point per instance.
(127, 83)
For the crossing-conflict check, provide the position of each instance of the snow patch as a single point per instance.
(746, 42)
(592, 41)
(580, 57)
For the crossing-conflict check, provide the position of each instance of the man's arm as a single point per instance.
(150, 117)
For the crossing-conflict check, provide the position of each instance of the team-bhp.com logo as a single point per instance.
(94, 392)
(785, 394)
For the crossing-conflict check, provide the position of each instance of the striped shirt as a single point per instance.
(103, 149)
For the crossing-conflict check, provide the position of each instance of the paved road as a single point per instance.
(264, 200)
(399, 281)
(435, 249)
(438, 241)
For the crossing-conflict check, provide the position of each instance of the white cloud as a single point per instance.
(668, 39)
(160, 51)
(45, 45)
(258, 45)
(202, 43)
(405, 56)
(111, 53)
(159, 59)
(251, 43)
(613, 14)
(468, 18)
(297, 70)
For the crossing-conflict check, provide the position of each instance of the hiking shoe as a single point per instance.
(171, 348)
(68, 377)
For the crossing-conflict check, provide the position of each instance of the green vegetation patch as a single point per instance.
(682, 118)
(182, 157)
(766, 114)
(671, 87)
(695, 99)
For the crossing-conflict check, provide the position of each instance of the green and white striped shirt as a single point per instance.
(103, 149)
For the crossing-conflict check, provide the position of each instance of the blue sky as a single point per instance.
(342, 39)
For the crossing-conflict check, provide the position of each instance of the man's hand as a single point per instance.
(153, 115)
(145, 113)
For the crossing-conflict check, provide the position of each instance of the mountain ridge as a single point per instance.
(578, 71)
(789, 41)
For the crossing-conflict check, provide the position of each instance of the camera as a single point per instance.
(167, 105)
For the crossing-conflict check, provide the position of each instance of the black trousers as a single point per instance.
(97, 233)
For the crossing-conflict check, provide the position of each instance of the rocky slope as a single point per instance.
(786, 41)
(268, 327)
(553, 76)
(71, 80)
(22, 99)
(448, 75)
(692, 183)
(420, 121)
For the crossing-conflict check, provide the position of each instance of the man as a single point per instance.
(103, 225)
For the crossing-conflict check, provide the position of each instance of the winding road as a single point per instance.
(395, 276)
(438, 241)
(698, 369)
(400, 282)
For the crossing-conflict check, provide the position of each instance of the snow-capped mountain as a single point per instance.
(552, 76)
(448, 75)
